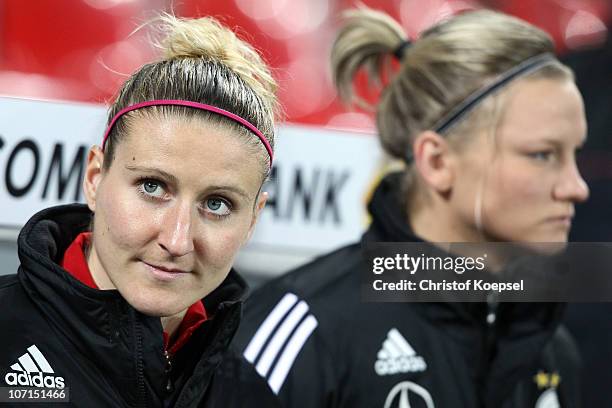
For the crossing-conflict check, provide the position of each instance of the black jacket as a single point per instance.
(318, 345)
(102, 350)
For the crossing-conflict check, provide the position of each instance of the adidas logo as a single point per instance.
(397, 356)
(32, 370)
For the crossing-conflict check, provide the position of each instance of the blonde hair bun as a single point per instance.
(206, 38)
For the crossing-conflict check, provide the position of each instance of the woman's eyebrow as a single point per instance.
(169, 177)
(234, 189)
(556, 142)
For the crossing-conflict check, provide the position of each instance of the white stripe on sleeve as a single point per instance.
(279, 374)
(283, 332)
(264, 331)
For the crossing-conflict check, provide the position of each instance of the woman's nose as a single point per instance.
(175, 235)
(571, 186)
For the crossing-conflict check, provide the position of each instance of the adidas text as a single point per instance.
(400, 365)
(34, 380)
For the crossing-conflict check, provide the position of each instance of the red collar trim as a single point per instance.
(194, 317)
(75, 262)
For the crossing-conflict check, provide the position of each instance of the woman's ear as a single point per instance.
(93, 175)
(433, 160)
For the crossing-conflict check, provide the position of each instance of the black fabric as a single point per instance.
(108, 353)
(590, 324)
(469, 362)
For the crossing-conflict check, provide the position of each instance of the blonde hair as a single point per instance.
(438, 71)
(203, 62)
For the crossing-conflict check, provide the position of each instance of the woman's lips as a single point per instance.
(564, 220)
(164, 272)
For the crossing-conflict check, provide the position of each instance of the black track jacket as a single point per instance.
(58, 332)
(319, 346)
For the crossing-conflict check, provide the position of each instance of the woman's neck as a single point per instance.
(435, 223)
(171, 324)
(98, 274)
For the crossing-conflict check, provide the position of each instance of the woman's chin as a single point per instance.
(157, 305)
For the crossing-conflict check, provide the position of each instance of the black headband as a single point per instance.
(471, 102)
(400, 50)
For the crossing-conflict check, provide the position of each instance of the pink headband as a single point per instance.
(190, 104)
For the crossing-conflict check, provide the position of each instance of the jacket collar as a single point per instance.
(388, 210)
(101, 324)
(390, 224)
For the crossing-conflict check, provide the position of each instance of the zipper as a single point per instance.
(492, 304)
(142, 397)
(490, 338)
(168, 372)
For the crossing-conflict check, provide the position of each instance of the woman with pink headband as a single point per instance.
(131, 300)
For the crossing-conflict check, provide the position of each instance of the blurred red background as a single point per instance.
(82, 50)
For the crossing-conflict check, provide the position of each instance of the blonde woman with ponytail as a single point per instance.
(131, 300)
(487, 121)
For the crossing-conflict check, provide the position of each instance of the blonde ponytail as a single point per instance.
(368, 39)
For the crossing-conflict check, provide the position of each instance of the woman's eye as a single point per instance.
(217, 206)
(542, 156)
(152, 188)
